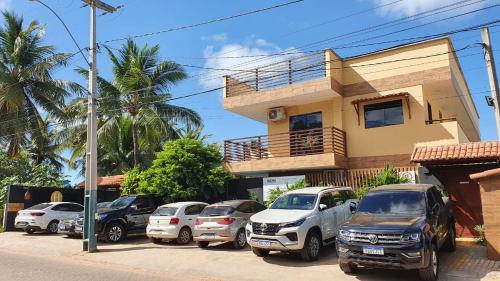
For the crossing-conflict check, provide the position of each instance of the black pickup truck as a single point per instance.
(398, 227)
(126, 215)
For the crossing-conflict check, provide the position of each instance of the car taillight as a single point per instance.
(174, 221)
(198, 222)
(37, 214)
(226, 221)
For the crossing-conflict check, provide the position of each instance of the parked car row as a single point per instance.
(394, 226)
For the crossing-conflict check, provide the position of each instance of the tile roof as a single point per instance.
(474, 151)
(109, 181)
(396, 95)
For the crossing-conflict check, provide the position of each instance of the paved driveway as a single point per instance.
(221, 262)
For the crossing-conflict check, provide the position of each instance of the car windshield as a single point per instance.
(295, 202)
(393, 203)
(103, 205)
(214, 211)
(40, 206)
(165, 211)
(121, 202)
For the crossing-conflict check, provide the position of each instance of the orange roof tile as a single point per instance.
(474, 151)
(109, 181)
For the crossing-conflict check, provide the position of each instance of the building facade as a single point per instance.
(340, 120)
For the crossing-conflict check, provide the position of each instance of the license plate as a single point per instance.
(373, 251)
(264, 243)
(22, 223)
(209, 235)
(78, 228)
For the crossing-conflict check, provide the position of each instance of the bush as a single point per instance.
(186, 169)
(387, 176)
(277, 192)
(131, 181)
(481, 231)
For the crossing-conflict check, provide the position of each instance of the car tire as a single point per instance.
(451, 244)
(114, 233)
(312, 247)
(430, 273)
(348, 268)
(260, 252)
(155, 240)
(240, 240)
(202, 244)
(184, 236)
(53, 227)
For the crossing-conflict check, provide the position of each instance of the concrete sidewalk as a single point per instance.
(221, 262)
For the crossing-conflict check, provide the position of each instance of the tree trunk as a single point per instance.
(135, 140)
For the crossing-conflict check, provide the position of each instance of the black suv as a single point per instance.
(126, 215)
(398, 227)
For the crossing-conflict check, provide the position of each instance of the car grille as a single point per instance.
(381, 239)
(265, 228)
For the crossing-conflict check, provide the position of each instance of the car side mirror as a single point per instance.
(133, 207)
(322, 207)
(353, 207)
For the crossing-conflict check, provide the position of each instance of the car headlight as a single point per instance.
(411, 237)
(100, 217)
(250, 222)
(292, 224)
(344, 235)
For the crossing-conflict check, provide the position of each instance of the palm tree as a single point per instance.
(45, 147)
(26, 83)
(135, 118)
(140, 88)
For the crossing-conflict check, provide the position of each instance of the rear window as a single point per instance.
(40, 206)
(214, 211)
(165, 211)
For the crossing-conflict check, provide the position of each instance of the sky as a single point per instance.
(284, 29)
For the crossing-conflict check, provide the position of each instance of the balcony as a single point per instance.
(300, 80)
(298, 150)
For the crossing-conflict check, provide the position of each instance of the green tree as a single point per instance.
(387, 176)
(186, 169)
(26, 82)
(131, 182)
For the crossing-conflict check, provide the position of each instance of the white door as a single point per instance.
(328, 216)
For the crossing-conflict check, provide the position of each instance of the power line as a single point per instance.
(205, 22)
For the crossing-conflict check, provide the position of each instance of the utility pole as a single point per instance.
(492, 74)
(89, 236)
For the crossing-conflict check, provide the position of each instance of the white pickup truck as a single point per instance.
(302, 221)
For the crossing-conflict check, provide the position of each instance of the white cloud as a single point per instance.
(5, 4)
(413, 7)
(250, 54)
(219, 38)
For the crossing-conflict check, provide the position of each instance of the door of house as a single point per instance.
(306, 134)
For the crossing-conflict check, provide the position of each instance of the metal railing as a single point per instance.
(294, 70)
(442, 120)
(290, 144)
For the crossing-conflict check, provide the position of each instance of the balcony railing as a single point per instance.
(291, 144)
(442, 120)
(297, 69)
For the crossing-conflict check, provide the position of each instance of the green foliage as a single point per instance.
(443, 191)
(131, 181)
(253, 196)
(186, 169)
(481, 231)
(387, 176)
(277, 192)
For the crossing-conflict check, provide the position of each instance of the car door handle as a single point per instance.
(190, 219)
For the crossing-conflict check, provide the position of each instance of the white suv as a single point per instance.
(46, 216)
(302, 221)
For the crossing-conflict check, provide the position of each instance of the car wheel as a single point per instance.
(184, 236)
(451, 244)
(53, 227)
(312, 247)
(29, 231)
(202, 244)
(155, 240)
(114, 233)
(240, 241)
(260, 252)
(430, 273)
(348, 268)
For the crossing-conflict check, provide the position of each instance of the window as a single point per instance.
(257, 207)
(63, 208)
(306, 134)
(192, 210)
(306, 121)
(246, 207)
(395, 203)
(328, 200)
(295, 202)
(384, 114)
(347, 195)
(75, 208)
(143, 202)
(165, 211)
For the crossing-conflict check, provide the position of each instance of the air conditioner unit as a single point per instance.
(276, 114)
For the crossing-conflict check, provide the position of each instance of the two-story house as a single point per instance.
(339, 120)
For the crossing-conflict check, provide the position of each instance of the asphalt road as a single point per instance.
(15, 266)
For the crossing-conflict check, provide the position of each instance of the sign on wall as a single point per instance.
(271, 183)
(410, 175)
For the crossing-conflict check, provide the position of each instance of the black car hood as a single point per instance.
(384, 223)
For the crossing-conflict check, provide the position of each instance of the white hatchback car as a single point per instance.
(46, 216)
(174, 221)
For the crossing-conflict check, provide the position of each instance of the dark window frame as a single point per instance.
(383, 106)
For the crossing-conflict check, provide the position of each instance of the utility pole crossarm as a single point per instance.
(100, 5)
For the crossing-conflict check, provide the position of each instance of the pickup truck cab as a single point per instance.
(398, 227)
(124, 216)
(302, 221)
